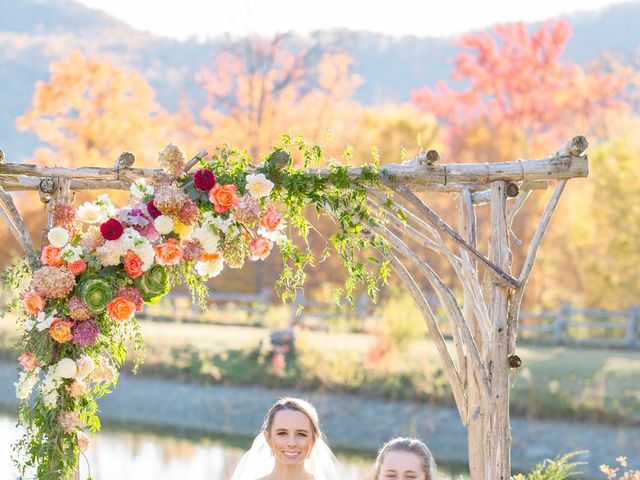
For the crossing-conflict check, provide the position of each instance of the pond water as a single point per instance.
(133, 455)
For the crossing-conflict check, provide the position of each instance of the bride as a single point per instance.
(289, 447)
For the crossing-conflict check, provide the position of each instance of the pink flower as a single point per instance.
(260, 248)
(33, 303)
(153, 210)
(29, 361)
(51, 256)
(271, 219)
(77, 267)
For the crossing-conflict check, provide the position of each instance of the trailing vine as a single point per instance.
(103, 263)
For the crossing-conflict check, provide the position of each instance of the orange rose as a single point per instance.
(51, 256)
(60, 331)
(169, 253)
(260, 248)
(210, 257)
(133, 264)
(33, 303)
(271, 219)
(223, 197)
(121, 309)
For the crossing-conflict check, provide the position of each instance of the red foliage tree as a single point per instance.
(516, 89)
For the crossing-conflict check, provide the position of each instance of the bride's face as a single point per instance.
(290, 437)
(399, 465)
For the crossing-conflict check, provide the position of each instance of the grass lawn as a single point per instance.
(553, 381)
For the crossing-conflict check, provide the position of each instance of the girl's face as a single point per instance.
(291, 437)
(400, 465)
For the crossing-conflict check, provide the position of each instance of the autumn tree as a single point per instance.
(86, 114)
(268, 88)
(518, 97)
(90, 110)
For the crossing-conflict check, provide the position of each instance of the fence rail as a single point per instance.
(568, 326)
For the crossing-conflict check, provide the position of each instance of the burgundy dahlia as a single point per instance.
(112, 229)
(85, 333)
(204, 179)
(153, 210)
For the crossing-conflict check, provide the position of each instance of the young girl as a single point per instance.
(405, 459)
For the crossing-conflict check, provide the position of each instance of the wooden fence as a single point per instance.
(583, 327)
(568, 326)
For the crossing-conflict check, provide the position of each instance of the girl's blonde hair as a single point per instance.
(411, 445)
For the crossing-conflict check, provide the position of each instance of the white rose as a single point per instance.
(71, 254)
(66, 368)
(85, 366)
(258, 185)
(146, 253)
(163, 224)
(58, 237)
(210, 269)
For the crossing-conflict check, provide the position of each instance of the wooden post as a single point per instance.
(560, 325)
(497, 431)
(631, 335)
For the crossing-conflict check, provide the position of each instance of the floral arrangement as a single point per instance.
(102, 264)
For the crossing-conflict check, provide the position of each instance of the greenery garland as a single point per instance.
(102, 264)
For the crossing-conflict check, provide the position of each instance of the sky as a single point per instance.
(209, 18)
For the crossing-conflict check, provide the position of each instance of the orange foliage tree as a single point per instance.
(91, 110)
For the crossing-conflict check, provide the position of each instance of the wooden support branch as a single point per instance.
(411, 231)
(446, 298)
(442, 226)
(516, 299)
(17, 226)
(436, 336)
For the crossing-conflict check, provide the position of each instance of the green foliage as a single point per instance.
(401, 323)
(560, 468)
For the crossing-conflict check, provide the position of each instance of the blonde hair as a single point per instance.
(411, 445)
(297, 404)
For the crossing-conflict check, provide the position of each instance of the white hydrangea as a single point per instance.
(220, 223)
(42, 321)
(139, 189)
(71, 254)
(209, 240)
(277, 236)
(163, 224)
(58, 236)
(49, 388)
(106, 205)
(26, 382)
(130, 238)
(258, 185)
(210, 269)
(65, 368)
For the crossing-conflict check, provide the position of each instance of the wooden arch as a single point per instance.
(484, 324)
